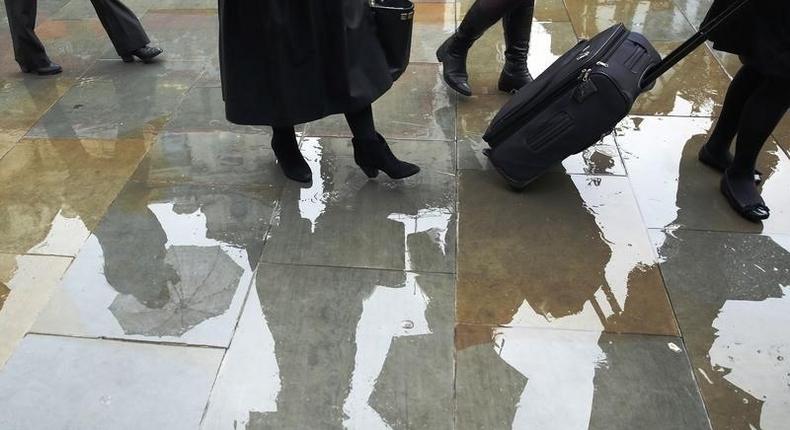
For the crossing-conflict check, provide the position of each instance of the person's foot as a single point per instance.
(721, 160)
(374, 155)
(291, 160)
(743, 195)
(47, 70)
(146, 54)
(514, 76)
(452, 54)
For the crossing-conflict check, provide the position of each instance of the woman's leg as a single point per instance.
(743, 86)
(517, 25)
(286, 149)
(371, 151)
(480, 17)
(761, 114)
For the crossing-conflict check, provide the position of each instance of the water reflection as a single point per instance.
(609, 281)
(169, 262)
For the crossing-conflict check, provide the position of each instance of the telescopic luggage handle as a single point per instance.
(690, 45)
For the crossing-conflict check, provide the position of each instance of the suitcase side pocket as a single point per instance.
(551, 132)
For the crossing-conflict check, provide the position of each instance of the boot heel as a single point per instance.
(371, 172)
(127, 58)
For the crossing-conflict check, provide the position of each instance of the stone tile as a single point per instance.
(344, 219)
(165, 264)
(573, 380)
(570, 253)
(418, 106)
(694, 87)
(217, 158)
(23, 102)
(657, 20)
(545, 11)
(694, 10)
(339, 348)
(730, 62)
(118, 100)
(204, 110)
(548, 42)
(53, 192)
(676, 191)
(94, 384)
(26, 283)
(433, 23)
(184, 35)
(476, 113)
(731, 294)
(600, 159)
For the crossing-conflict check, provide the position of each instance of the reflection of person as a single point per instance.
(756, 101)
(516, 16)
(123, 27)
(285, 63)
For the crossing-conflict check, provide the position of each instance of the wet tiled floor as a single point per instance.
(157, 271)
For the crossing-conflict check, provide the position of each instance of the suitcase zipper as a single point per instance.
(608, 49)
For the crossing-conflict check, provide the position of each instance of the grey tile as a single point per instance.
(168, 263)
(117, 100)
(659, 21)
(731, 294)
(519, 378)
(675, 190)
(214, 158)
(335, 348)
(93, 384)
(344, 219)
(418, 106)
(204, 110)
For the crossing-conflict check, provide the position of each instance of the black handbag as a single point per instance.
(394, 24)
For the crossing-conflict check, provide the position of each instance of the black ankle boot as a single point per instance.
(517, 25)
(286, 149)
(374, 155)
(452, 53)
(146, 54)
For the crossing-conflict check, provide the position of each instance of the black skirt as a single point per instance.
(760, 33)
(286, 62)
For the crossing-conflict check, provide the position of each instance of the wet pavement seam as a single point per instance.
(128, 340)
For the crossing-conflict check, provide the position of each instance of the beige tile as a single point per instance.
(23, 102)
(658, 20)
(53, 192)
(26, 284)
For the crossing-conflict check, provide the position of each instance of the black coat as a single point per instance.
(287, 62)
(760, 32)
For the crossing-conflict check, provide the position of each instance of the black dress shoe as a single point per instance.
(49, 69)
(146, 54)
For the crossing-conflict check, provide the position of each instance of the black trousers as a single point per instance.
(120, 23)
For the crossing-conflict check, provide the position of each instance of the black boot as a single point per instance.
(452, 53)
(286, 149)
(518, 25)
(374, 155)
(146, 54)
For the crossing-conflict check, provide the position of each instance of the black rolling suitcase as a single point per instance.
(579, 99)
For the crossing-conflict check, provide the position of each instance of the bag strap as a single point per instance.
(691, 44)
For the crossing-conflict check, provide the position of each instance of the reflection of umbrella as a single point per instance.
(208, 281)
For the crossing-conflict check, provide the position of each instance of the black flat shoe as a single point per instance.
(374, 155)
(48, 70)
(755, 211)
(721, 164)
(291, 160)
(146, 54)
